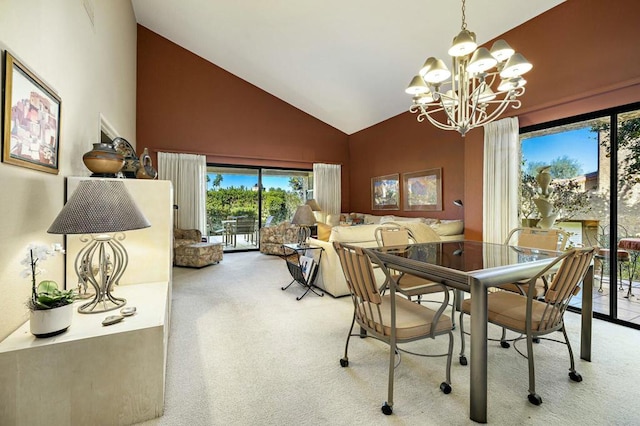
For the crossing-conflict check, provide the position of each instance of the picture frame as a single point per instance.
(422, 190)
(385, 192)
(31, 119)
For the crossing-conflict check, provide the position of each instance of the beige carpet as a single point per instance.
(243, 352)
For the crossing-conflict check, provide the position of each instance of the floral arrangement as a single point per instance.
(45, 295)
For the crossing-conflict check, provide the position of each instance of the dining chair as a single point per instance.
(533, 317)
(407, 284)
(536, 238)
(389, 318)
(602, 256)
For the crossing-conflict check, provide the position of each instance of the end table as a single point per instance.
(292, 254)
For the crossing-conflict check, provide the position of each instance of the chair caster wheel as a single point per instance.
(445, 388)
(505, 345)
(463, 360)
(386, 410)
(535, 399)
(576, 377)
(344, 362)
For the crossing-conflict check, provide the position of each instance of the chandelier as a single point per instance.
(481, 86)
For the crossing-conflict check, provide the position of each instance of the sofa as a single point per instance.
(330, 277)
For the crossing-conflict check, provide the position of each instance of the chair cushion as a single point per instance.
(509, 309)
(412, 319)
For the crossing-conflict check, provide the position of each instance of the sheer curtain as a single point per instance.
(327, 187)
(501, 179)
(188, 173)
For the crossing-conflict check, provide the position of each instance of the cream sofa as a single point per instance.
(330, 277)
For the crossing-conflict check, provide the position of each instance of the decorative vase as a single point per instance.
(145, 169)
(50, 322)
(103, 160)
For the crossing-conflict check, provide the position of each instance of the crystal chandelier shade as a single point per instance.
(481, 85)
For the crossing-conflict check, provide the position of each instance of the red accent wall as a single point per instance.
(402, 145)
(585, 55)
(586, 58)
(189, 105)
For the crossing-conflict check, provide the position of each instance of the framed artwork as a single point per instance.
(31, 119)
(422, 190)
(385, 192)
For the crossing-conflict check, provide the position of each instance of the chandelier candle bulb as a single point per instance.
(481, 85)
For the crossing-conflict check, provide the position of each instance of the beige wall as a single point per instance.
(93, 70)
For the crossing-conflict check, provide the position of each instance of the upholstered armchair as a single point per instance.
(272, 237)
(182, 237)
(189, 249)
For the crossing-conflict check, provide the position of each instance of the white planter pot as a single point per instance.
(50, 322)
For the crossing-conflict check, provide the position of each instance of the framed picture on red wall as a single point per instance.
(422, 190)
(385, 192)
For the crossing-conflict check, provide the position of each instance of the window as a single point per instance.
(594, 162)
(252, 194)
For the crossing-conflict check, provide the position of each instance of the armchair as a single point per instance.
(272, 237)
(189, 249)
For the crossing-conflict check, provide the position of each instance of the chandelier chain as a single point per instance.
(464, 17)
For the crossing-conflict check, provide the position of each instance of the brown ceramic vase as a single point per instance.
(103, 160)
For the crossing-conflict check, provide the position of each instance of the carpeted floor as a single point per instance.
(243, 352)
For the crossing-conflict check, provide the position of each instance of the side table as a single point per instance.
(632, 245)
(292, 255)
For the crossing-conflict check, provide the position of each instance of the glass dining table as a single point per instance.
(474, 267)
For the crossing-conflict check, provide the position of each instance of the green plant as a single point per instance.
(45, 295)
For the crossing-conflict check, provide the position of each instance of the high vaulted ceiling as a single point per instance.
(345, 62)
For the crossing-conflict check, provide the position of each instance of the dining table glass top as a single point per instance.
(465, 256)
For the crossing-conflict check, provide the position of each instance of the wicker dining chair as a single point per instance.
(533, 317)
(390, 318)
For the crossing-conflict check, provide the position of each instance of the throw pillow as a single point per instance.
(449, 227)
(324, 231)
(423, 233)
(387, 218)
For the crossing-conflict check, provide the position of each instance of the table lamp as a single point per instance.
(96, 208)
(315, 207)
(304, 218)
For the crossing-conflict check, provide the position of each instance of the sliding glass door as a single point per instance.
(595, 164)
(240, 200)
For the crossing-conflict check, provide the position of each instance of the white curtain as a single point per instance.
(188, 173)
(327, 187)
(501, 179)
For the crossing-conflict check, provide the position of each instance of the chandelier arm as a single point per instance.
(491, 75)
(514, 103)
(439, 124)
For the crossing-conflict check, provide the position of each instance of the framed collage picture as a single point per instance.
(31, 119)
(385, 192)
(422, 190)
